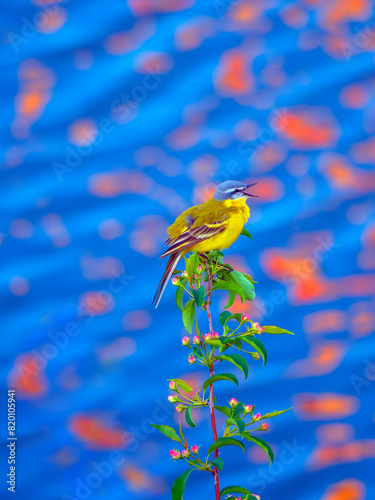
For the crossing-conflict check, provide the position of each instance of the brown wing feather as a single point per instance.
(194, 235)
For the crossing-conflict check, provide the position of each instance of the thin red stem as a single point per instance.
(211, 400)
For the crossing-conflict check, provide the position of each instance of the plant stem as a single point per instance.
(211, 401)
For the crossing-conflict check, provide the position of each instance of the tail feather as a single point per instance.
(171, 266)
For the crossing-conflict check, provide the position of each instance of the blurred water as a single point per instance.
(115, 119)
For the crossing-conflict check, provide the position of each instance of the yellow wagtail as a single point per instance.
(213, 225)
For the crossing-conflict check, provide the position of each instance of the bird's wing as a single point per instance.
(194, 234)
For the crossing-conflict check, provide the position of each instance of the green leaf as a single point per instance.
(192, 263)
(246, 286)
(240, 424)
(258, 346)
(236, 360)
(224, 316)
(231, 286)
(249, 278)
(167, 431)
(179, 298)
(223, 409)
(238, 409)
(236, 316)
(189, 416)
(234, 489)
(218, 463)
(274, 414)
(245, 232)
(198, 295)
(178, 487)
(220, 442)
(181, 384)
(188, 315)
(231, 299)
(262, 444)
(275, 330)
(221, 376)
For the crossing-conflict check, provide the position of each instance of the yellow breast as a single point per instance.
(237, 213)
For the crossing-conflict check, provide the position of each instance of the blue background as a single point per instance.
(116, 117)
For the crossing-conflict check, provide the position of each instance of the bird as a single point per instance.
(212, 225)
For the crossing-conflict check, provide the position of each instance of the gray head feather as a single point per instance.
(230, 190)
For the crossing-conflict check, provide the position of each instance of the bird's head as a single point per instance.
(232, 190)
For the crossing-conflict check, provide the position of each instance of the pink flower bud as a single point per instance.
(196, 340)
(256, 417)
(256, 355)
(175, 281)
(207, 337)
(199, 269)
(186, 341)
(195, 449)
(245, 317)
(173, 386)
(185, 453)
(173, 399)
(215, 335)
(255, 325)
(248, 409)
(180, 408)
(233, 402)
(191, 359)
(260, 330)
(264, 427)
(185, 274)
(257, 497)
(175, 454)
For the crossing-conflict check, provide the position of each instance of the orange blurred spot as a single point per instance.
(364, 152)
(96, 303)
(53, 23)
(233, 77)
(339, 12)
(83, 132)
(36, 81)
(136, 320)
(153, 62)
(27, 377)
(110, 184)
(324, 357)
(126, 41)
(294, 16)
(335, 433)
(184, 137)
(325, 406)
(145, 7)
(354, 451)
(328, 321)
(138, 480)
(96, 434)
(348, 489)
(191, 35)
(354, 96)
(309, 128)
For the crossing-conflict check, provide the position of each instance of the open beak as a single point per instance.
(248, 194)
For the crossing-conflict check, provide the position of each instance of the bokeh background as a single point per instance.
(118, 115)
